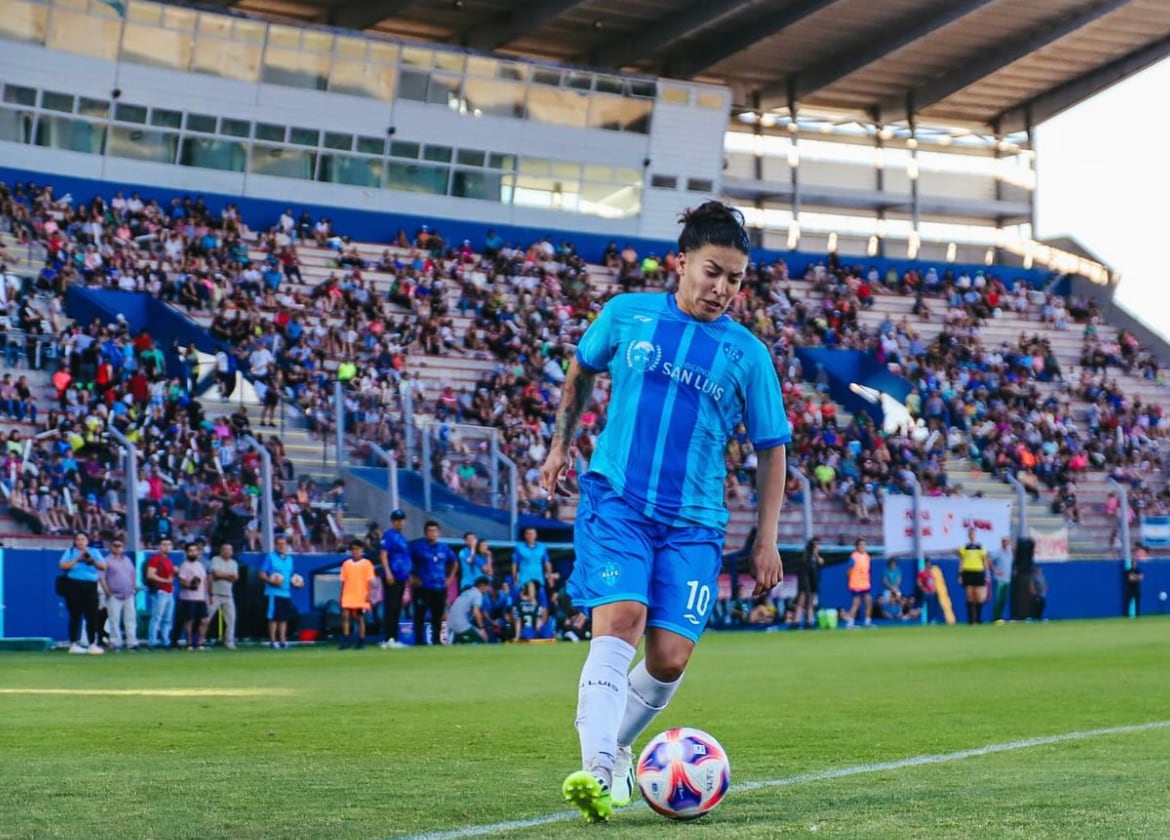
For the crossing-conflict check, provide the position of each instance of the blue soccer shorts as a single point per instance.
(622, 555)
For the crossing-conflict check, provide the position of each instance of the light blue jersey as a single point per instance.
(680, 388)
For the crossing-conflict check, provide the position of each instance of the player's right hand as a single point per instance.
(553, 471)
(768, 569)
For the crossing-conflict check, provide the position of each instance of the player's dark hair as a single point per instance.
(429, 523)
(713, 223)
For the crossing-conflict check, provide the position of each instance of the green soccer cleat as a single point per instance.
(587, 792)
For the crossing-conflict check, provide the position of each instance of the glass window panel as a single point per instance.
(551, 193)
(494, 97)
(371, 146)
(293, 68)
(217, 25)
(20, 21)
(479, 66)
(16, 126)
(157, 47)
(249, 31)
(557, 106)
(507, 162)
(77, 32)
(213, 153)
(350, 47)
(711, 99)
(304, 136)
(616, 113)
(610, 201)
(166, 119)
(469, 183)
(342, 142)
(452, 61)
(384, 52)
(53, 101)
(546, 76)
(470, 157)
(18, 95)
(417, 56)
(596, 172)
(675, 95)
(507, 189)
(609, 84)
(269, 131)
(361, 78)
(412, 85)
(579, 81)
(410, 177)
(355, 171)
(704, 185)
(284, 36)
(642, 88)
(99, 108)
(515, 71)
(180, 19)
(144, 12)
(404, 150)
(563, 169)
(315, 40)
(230, 60)
(533, 166)
(443, 90)
(201, 122)
(282, 163)
(130, 113)
(627, 176)
(664, 182)
(143, 144)
(438, 154)
(235, 128)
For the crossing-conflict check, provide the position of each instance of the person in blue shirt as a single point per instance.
(651, 518)
(80, 564)
(531, 566)
(396, 568)
(277, 575)
(472, 564)
(433, 563)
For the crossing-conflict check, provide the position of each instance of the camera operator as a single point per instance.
(80, 566)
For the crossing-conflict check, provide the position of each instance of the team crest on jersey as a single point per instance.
(732, 352)
(610, 573)
(643, 356)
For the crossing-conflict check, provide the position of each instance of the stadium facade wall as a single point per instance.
(1077, 590)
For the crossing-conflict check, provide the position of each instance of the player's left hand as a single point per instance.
(769, 571)
(556, 465)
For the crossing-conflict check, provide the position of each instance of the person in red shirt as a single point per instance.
(160, 582)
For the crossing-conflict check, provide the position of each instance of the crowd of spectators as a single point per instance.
(523, 306)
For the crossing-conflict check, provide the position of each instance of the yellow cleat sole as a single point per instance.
(587, 794)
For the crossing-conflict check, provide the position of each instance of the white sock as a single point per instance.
(600, 700)
(645, 698)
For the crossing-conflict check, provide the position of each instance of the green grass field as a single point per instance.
(379, 744)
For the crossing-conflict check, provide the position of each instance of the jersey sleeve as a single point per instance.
(765, 417)
(597, 345)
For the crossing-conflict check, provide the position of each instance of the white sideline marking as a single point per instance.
(153, 692)
(820, 775)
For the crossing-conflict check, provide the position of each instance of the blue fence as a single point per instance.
(1082, 589)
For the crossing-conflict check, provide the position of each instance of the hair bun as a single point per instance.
(713, 223)
(712, 212)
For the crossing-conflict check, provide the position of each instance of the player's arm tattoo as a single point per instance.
(578, 390)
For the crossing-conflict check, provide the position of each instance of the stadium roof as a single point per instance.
(1004, 64)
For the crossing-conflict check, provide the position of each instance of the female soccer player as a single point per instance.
(651, 520)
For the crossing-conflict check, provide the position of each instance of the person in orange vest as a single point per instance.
(859, 583)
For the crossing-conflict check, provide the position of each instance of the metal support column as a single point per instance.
(391, 475)
(426, 466)
(339, 421)
(1021, 506)
(494, 468)
(806, 501)
(267, 530)
(513, 497)
(133, 522)
(1123, 521)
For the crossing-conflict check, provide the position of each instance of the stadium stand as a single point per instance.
(1007, 377)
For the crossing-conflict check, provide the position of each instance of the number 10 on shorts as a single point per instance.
(699, 598)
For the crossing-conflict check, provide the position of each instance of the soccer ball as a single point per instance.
(297, 581)
(276, 579)
(683, 773)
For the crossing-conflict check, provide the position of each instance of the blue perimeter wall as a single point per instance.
(1080, 589)
(367, 226)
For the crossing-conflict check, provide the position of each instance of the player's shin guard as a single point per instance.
(601, 699)
(646, 697)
